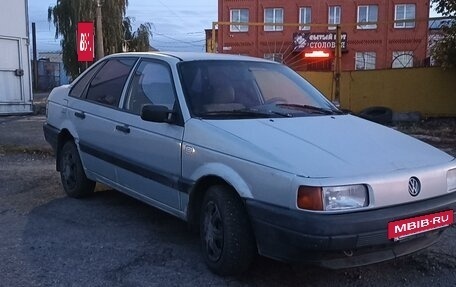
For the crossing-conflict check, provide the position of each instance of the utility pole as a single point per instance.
(99, 33)
(35, 58)
(338, 65)
(213, 40)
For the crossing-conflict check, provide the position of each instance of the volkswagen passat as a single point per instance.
(254, 156)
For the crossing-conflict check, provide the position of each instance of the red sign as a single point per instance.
(85, 42)
(410, 226)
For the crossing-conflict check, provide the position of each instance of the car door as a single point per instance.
(94, 116)
(152, 151)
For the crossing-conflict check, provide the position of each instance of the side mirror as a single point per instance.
(157, 114)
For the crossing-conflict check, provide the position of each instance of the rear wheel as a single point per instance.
(74, 181)
(226, 236)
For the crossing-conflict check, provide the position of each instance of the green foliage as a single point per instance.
(445, 7)
(444, 51)
(117, 29)
(137, 41)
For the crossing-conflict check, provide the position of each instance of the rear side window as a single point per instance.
(78, 89)
(107, 85)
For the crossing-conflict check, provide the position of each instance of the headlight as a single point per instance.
(451, 180)
(333, 198)
(345, 197)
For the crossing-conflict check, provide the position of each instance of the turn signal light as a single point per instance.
(310, 198)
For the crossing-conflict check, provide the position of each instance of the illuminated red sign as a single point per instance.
(85, 41)
(316, 54)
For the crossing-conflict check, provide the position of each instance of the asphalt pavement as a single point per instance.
(110, 239)
(23, 133)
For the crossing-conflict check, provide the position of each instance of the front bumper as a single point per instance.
(340, 240)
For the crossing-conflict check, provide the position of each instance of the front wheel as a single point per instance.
(74, 181)
(226, 236)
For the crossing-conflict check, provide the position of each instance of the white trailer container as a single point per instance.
(15, 72)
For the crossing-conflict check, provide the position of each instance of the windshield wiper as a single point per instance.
(309, 107)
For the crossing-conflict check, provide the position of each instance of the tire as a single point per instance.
(74, 181)
(226, 236)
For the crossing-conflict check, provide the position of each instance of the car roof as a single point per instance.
(192, 56)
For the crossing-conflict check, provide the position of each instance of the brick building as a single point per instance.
(373, 36)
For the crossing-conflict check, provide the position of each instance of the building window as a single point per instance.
(239, 16)
(333, 17)
(305, 17)
(402, 59)
(276, 57)
(404, 12)
(367, 13)
(273, 16)
(365, 60)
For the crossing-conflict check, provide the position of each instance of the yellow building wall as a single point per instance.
(430, 91)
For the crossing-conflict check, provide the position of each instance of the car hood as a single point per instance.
(321, 146)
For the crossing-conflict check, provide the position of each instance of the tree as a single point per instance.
(444, 50)
(136, 41)
(67, 13)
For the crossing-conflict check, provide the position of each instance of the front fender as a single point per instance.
(226, 173)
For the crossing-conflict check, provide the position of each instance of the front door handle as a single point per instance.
(124, 129)
(80, 115)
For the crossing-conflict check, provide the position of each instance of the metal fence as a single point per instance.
(49, 74)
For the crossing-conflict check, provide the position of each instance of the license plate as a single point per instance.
(400, 229)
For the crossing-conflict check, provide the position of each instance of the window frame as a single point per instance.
(397, 54)
(239, 28)
(271, 26)
(361, 26)
(274, 57)
(303, 25)
(333, 26)
(366, 63)
(404, 24)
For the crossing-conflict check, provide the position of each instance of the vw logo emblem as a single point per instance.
(414, 186)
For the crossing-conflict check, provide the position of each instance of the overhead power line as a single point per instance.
(180, 40)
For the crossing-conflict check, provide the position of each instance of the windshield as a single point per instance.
(246, 89)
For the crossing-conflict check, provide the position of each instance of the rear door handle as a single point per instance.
(80, 115)
(124, 129)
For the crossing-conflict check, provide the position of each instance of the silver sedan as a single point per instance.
(253, 156)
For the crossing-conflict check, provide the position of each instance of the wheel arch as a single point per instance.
(63, 137)
(199, 190)
(212, 174)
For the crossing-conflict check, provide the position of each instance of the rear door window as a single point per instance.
(107, 85)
